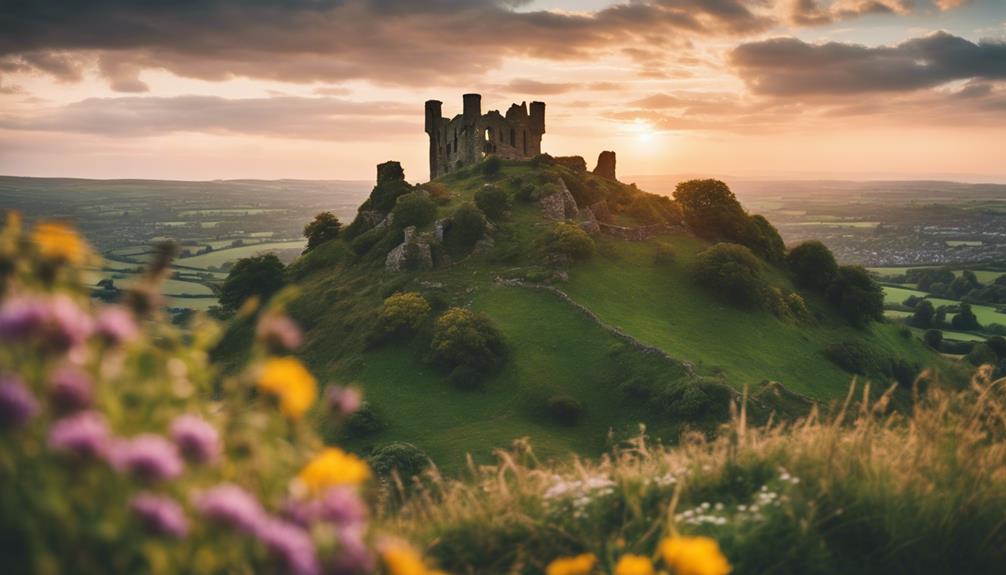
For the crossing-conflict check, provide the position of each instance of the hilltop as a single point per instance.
(600, 335)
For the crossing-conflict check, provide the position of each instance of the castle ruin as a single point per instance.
(472, 136)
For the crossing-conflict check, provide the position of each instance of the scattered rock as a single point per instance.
(575, 163)
(560, 205)
(413, 253)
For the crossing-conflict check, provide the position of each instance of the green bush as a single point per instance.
(464, 338)
(570, 240)
(467, 226)
(933, 338)
(812, 264)
(325, 227)
(733, 274)
(364, 242)
(404, 460)
(493, 201)
(850, 356)
(365, 422)
(402, 314)
(564, 410)
(856, 296)
(257, 276)
(965, 319)
(491, 166)
(466, 378)
(414, 209)
(982, 354)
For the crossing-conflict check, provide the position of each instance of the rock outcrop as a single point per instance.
(414, 253)
(575, 163)
(560, 205)
(606, 165)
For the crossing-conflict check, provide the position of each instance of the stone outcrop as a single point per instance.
(390, 172)
(471, 136)
(600, 211)
(606, 165)
(413, 253)
(560, 205)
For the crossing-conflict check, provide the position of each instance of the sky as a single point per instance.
(327, 89)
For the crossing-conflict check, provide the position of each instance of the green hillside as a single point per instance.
(626, 333)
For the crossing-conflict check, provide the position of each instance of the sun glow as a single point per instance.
(643, 130)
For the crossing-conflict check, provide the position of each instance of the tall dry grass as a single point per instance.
(859, 489)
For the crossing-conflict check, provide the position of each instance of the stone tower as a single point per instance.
(471, 136)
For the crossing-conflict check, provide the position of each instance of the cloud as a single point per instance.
(328, 119)
(387, 41)
(821, 12)
(791, 67)
(536, 88)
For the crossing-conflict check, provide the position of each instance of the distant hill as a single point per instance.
(626, 334)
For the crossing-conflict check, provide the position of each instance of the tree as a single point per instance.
(858, 298)
(260, 276)
(933, 338)
(462, 338)
(710, 209)
(763, 239)
(414, 209)
(924, 314)
(570, 240)
(732, 273)
(325, 227)
(965, 319)
(467, 226)
(493, 201)
(812, 264)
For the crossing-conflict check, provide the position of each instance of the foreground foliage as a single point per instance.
(859, 491)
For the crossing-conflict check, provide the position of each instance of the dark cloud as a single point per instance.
(282, 116)
(791, 67)
(389, 41)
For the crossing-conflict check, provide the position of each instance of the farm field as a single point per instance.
(218, 258)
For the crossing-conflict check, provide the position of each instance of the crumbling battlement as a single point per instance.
(471, 136)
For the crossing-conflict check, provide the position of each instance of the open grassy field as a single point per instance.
(220, 257)
(985, 314)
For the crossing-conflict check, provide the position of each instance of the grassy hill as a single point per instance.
(626, 334)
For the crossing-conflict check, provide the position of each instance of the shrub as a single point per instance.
(257, 276)
(982, 354)
(812, 265)
(903, 372)
(491, 166)
(467, 226)
(998, 345)
(965, 320)
(367, 240)
(402, 314)
(731, 273)
(933, 338)
(923, 315)
(850, 356)
(464, 338)
(325, 227)
(403, 460)
(365, 422)
(856, 296)
(570, 240)
(438, 192)
(564, 410)
(493, 201)
(710, 209)
(414, 209)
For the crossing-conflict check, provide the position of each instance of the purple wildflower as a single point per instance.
(84, 434)
(67, 326)
(21, 318)
(147, 456)
(17, 404)
(279, 332)
(343, 400)
(354, 557)
(115, 324)
(291, 544)
(70, 390)
(230, 505)
(160, 515)
(342, 505)
(197, 439)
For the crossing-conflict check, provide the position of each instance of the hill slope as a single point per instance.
(625, 334)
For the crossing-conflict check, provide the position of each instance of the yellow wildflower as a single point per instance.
(291, 382)
(58, 242)
(580, 565)
(694, 556)
(634, 565)
(401, 559)
(333, 466)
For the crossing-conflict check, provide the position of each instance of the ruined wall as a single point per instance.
(471, 136)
